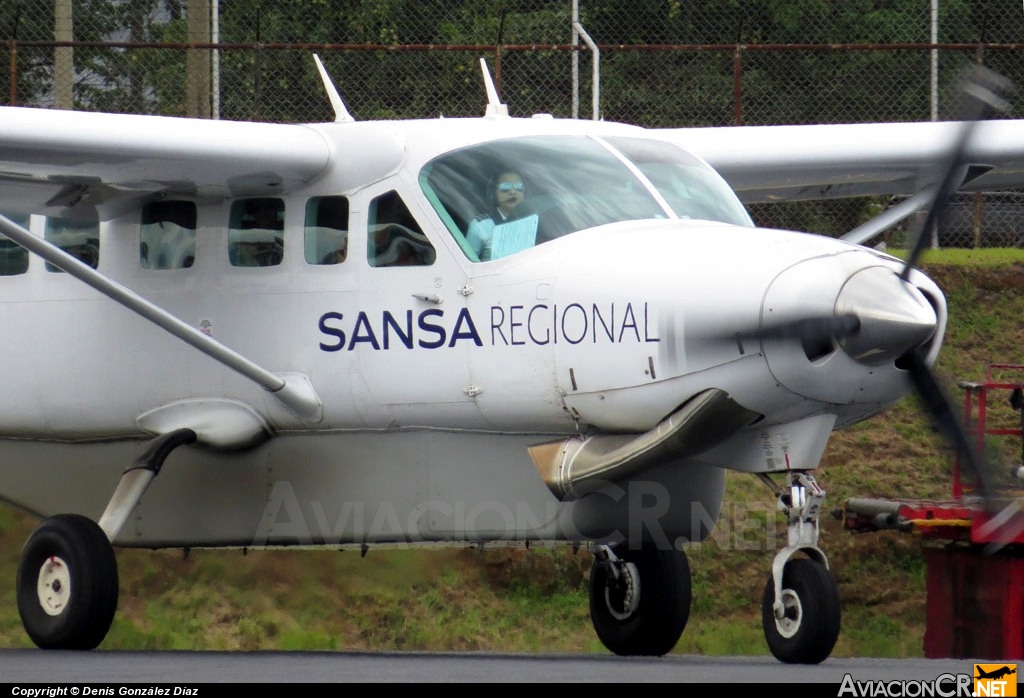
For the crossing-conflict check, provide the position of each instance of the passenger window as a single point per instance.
(167, 238)
(79, 237)
(13, 257)
(256, 237)
(326, 238)
(395, 239)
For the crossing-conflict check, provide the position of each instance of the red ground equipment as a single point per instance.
(975, 555)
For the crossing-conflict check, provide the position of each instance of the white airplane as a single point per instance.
(332, 335)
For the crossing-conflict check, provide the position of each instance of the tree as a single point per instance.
(26, 20)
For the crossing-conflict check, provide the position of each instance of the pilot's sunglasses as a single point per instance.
(506, 187)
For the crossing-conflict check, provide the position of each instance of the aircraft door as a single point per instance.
(412, 333)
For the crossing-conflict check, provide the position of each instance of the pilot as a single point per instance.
(509, 192)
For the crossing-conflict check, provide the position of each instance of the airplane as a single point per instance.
(995, 673)
(245, 335)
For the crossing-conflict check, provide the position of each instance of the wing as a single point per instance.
(52, 160)
(793, 163)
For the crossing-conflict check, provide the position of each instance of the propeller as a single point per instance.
(878, 316)
(858, 310)
(981, 98)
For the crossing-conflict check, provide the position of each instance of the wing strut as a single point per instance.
(890, 217)
(296, 394)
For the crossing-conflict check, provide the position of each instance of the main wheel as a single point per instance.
(645, 611)
(67, 584)
(809, 628)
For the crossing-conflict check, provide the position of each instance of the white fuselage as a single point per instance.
(433, 379)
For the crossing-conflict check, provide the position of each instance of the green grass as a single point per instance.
(536, 601)
(971, 258)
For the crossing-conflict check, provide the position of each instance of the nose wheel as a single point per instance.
(67, 584)
(804, 626)
(800, 610)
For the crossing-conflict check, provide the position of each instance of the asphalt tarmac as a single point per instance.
(20, 668)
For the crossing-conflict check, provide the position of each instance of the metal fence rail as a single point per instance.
(660, 64)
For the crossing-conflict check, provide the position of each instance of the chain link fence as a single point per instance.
(660, 63)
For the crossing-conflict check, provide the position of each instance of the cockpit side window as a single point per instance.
(256, 236)
(394, 238)
(13, 257)
(79, 236)
(326, 238)
(167, 237)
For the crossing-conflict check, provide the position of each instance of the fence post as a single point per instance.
(14, 73)
(198, 95)
(977, 219)
(63, 56)
(737, 86)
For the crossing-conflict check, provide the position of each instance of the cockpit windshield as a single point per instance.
(500, 197)
(690, 187)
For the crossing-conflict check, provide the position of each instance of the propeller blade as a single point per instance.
(940, 409)
(814, 329)
(980, 99)
(1004, 524)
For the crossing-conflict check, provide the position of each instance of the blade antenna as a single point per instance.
(495, 107)
(341, 114)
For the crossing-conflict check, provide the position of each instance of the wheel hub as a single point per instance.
(622, 595)
(54, 586)
(788, 614)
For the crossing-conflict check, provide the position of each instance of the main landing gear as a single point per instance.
(67, 584)
(800, 608)
(639, 599)
(67, 578)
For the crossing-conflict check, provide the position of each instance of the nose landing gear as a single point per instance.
(800, 608)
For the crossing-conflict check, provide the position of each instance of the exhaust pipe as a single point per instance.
(704, 421)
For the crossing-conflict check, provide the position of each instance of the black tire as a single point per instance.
(67, 584)
(808, 632)
(653, 628)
